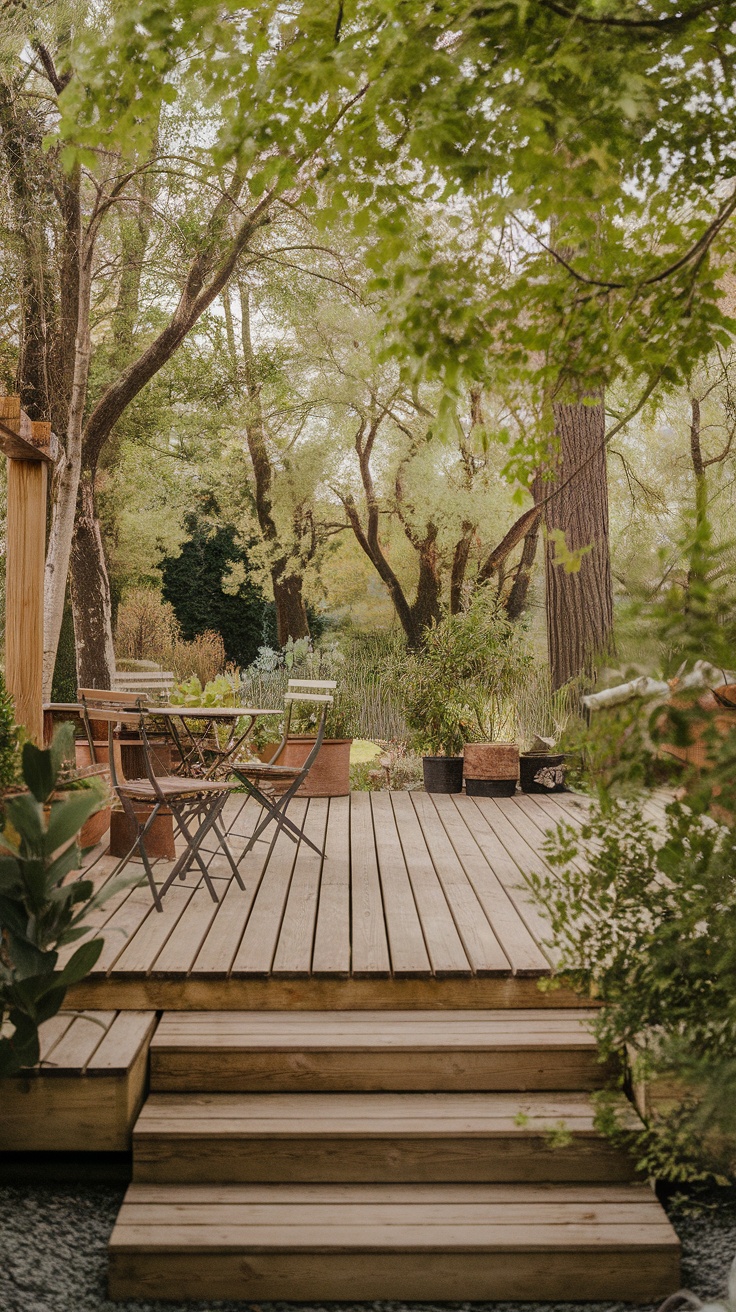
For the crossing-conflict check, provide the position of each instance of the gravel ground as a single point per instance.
(53, 1259)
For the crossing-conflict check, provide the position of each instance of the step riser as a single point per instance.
(637, 1274)
(160, 1160)
(249, 1071)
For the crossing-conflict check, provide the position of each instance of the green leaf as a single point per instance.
(81, 962)
(26, 816)
(38, 771)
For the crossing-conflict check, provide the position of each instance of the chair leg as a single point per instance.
(191, 854)
(139, 843)
(277, 813)
(221, 838)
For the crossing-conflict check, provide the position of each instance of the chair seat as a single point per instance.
(171, 786)
(261, 770)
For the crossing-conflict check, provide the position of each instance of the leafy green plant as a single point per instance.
(458, 688)
(646, 924)
(220, 691)
(41, 910)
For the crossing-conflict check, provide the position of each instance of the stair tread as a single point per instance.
(366, 1115)
(328, 1218)
(357, 1030)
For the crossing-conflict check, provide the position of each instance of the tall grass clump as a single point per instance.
(148, 630)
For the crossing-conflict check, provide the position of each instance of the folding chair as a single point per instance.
(188, 800)
(274, 785)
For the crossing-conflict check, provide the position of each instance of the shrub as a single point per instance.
(147, 629)
(459, 687)
(646, 924)
(41, 911)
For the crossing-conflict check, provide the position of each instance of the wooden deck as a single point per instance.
(421, 900)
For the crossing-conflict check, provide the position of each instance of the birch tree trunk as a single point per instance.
(66, 484)
(579, 603)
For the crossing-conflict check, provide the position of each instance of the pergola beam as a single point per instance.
(29, 447)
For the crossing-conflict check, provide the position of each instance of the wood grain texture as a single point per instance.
(357, 1242)
(25, 559)
(186, 1138)
(374, 1051)
(89, 1091)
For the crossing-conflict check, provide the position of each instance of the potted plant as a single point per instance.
(541, 768)
(491, 769)
(330, 773)
(437, 722)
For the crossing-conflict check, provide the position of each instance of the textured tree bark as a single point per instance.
(579, 604)
(427, 605)
(90, 593)
(517, 598)
(66, 486)
(459, 567)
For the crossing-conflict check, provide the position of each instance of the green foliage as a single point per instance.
(457, 688)
(528, 114)
(196, 583)
(221, 691)
(42, 912)
(9, 739)
(646, 924)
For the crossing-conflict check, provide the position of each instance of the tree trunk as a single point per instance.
(291, 613)
(517, 598)
(459, 567)
(66, 486)
(427, 606)
(286, 580)
(579, 601)
(90, 591)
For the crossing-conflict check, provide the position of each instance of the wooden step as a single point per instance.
(398, 1137)
(87, 1090)
(364, 1242)
(375, 1051)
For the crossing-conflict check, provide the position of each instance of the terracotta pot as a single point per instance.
(702, 753)
(330, 774)
(94, 829)
(443, 774)
(491, 761)
(159, 839)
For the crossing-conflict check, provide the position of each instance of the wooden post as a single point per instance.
(27, 446)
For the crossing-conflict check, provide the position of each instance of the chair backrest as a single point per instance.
(111, 705)
(114, 708)
(310, 690)
(306, 690)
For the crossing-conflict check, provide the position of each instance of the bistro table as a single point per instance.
(193, 730)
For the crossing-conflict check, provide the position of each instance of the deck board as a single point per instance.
(419, 901)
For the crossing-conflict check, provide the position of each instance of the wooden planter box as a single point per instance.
(330, 774)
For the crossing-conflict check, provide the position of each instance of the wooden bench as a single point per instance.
(156, 684)
(88, 1089)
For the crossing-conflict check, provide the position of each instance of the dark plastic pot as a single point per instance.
(443, 774)
(490, 787)
(529, 767)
